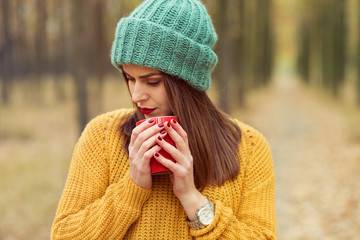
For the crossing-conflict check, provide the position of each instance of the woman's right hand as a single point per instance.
(141, 149)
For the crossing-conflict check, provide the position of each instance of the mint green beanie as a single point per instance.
(174, 36)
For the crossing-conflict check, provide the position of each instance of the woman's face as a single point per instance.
(147, 90)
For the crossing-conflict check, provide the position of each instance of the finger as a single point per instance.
(149, 143)
(178, 135)
(177, 127)
(142, 164)
(146, 134)
(140, 128)
(166, 162)
(149, 154)
(171, 150)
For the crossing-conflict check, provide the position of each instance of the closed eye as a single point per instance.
(154, 83)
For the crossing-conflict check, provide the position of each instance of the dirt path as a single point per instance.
(317, 167)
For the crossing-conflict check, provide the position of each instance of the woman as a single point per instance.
(222, 183)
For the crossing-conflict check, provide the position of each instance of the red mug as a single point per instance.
(156, 167)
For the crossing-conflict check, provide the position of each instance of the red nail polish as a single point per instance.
(163, 131)
(151, 120)
(157, 155)
(174, 121)
(160, 139)
(168, 124)
(161, 125)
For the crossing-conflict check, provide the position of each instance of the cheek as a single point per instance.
(163, 96)
(166, 102)
(131, 88)
(162, 99)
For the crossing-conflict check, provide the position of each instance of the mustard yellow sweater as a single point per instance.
(100, 201)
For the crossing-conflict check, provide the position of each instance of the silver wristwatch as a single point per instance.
(204, 216)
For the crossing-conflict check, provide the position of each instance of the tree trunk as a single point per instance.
(21, 46)
(259, 47)
(100, 54)
(303, 61)
(268, 42)
(239, 56)
(40, 38)
(60, 60)
(358, 59)
(225, 73)
(333, 45)
(5, 53)
(339, 14)
(40, 61)
(250, 42)
(79, 61)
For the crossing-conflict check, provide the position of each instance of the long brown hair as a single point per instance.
(213, 138)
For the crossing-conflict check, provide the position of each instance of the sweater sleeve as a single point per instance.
(89, 207)
(256, 217)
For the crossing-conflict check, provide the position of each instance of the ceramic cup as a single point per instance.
(156, 167)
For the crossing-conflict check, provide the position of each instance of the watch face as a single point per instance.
(206, 216)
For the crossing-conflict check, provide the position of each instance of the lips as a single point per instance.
(147, 110)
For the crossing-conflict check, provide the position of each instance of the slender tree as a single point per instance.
(303, 61)
(79, 60)
(340, 39)
(224, 52)
(21, 46)
(100, 52)
(60, 57)
(333, 45)
(259, 48)
(358, 59)
(5, 52)
(40, 60)
(327, 38)
(268, 42)
(249, 42)
(239, 59)
(40, 41)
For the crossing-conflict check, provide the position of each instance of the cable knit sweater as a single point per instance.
(100, 201)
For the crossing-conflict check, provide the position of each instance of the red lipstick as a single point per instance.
(147, 110)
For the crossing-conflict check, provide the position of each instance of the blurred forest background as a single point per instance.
(289, 68)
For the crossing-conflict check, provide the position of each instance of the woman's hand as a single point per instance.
(182, 175)
(141, 149)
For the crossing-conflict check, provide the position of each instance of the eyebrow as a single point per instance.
(144, 76)
(150, 75)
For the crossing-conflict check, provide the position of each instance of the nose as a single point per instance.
(139, 93)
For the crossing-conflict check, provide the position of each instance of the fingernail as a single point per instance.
(157, 155)
(163, 131)
(168, 124)
(151, 120)
(174, 121)
(160, 139)
(161, 125)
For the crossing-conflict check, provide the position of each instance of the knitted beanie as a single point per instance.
(174, 36)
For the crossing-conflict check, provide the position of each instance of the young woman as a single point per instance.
(222, 183)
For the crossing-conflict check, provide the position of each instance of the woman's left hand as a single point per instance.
(182, 175)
